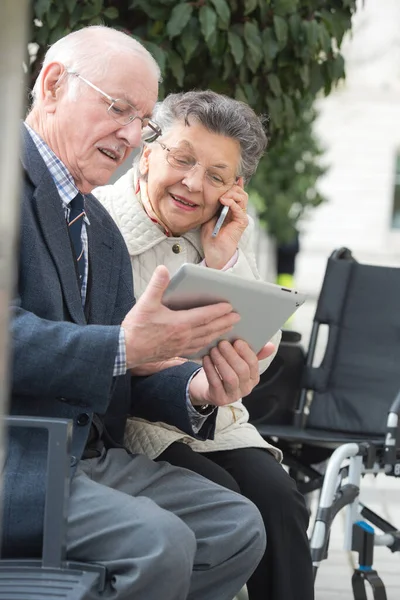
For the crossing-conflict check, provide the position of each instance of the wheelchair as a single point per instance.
(345, 412)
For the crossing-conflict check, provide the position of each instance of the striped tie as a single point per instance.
(75, 220)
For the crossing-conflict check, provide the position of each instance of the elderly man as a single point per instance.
(83, 349)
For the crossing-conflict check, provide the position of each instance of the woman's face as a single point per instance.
(184, 199)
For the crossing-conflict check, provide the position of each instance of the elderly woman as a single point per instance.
(166, 207)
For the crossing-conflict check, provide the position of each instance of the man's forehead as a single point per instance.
(133, 80)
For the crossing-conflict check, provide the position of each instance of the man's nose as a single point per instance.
(131, 134)
(194, 178)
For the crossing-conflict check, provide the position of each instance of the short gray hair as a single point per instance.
(219, 114)
(89, 51)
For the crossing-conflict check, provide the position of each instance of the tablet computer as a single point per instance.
(263, 307)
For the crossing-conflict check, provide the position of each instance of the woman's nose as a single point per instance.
(194, 178)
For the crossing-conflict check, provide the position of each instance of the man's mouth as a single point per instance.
(183, 201)
(109, 153)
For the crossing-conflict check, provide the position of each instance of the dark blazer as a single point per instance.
(62, 358)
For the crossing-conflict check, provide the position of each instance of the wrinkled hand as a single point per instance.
(229, 373)
(220, 249)
(154, 333)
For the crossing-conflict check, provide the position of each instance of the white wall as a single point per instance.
(359, 127)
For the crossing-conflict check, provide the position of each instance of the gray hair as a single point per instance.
(219, 114)
(89, 52)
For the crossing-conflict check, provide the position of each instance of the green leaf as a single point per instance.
(53, 16)
(223, 11)
(324, 38)
(269, 45)
(304, 73)
(290, 115)
(158, 53)
(274, 84)
(240, 94)
(176, 65)
(281, 31)
(41, 7)
(275, 110)
(89, 11)
(285, 7)
(208, 21)
(249, 6)
(295, 26)
(76, 17)
(56, 34)
(311, 30)
(236, 46)
(228, 66)
(189, 43)
(70, 4)
(155, 12)
(250, 92)
(96, 21)
(180, 16)
(253, 41)
(111, 12)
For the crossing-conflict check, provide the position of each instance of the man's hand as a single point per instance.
(229, 373)
(154, 333)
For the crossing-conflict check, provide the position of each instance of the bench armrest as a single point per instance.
(57, 483)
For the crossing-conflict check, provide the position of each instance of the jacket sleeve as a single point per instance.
(162, 397)
(54, 359)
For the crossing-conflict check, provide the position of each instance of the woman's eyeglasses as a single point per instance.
(184, 161)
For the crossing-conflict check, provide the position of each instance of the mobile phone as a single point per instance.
(221, 219)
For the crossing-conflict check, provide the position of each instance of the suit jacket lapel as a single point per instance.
(51, 218)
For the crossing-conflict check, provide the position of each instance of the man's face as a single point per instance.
(84, 135)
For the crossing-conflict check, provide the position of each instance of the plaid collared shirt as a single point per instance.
(67, 191)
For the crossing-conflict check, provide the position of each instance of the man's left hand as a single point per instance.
(229, 373)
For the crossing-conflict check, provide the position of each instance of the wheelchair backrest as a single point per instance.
(359, 375)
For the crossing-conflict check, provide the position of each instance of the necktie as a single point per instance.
(75, 220)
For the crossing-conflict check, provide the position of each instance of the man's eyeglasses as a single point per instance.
(184, 161)
(124, 113)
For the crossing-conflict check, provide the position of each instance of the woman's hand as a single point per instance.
(219, 250)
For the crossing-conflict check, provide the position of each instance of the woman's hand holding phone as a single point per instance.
(219, 248)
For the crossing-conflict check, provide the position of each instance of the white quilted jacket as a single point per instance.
(148, 247)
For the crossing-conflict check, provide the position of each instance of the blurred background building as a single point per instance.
(359, 127)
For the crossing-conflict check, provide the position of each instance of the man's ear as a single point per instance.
(144, 161)
(50, 89)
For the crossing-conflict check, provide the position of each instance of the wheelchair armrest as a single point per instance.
(57, 482)
(392, 440)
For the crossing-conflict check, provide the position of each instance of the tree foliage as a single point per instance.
(277, 55)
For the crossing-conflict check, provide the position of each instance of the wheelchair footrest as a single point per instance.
(360, 577)
(33, 583)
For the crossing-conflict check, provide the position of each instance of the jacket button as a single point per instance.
(176, 248)
(82, 419)
(73, 461)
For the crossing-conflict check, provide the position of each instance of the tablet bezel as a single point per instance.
(261, 317)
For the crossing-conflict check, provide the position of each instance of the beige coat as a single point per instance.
(148, 247)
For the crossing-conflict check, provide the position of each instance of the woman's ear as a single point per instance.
(144, 161)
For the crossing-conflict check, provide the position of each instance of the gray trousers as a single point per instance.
(161, 531)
